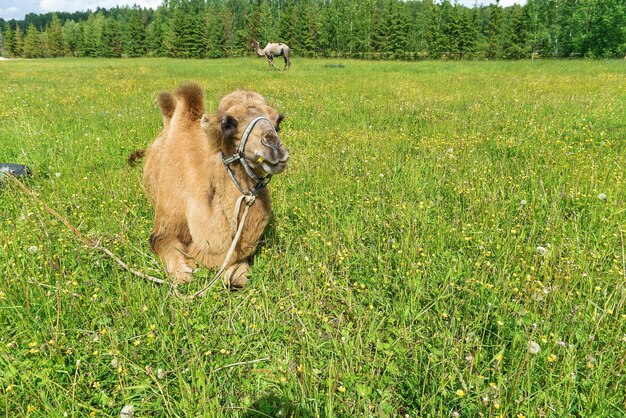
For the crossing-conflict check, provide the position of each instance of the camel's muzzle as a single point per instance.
(271, 164)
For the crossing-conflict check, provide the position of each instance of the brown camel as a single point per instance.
(196, 170)
(272, 50)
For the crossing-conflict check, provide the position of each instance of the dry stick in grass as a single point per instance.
(80, 236)
(241, 363)
(621, 234)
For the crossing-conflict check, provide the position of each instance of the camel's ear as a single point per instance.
(229, 126)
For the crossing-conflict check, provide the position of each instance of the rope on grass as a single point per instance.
(82, 238)
(249, 200)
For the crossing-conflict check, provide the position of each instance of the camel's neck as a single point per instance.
(260, 52)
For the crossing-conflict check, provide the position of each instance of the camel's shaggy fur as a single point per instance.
(193, 195)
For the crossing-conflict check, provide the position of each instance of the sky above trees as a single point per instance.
(17, 9)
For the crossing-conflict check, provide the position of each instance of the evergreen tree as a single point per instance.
(380, 29)
(494, 31)
(155, 32)
(9, 43)
(303, 30)
(399, 26)
(174, 37)
(197, 36)
(445, 44)
(91, 39)
(32, 44)
(73, 37)
(43, 44)
(267, 24)
(427, 30)
(538, 36)
(229, 30)
(326, 31)
(515, 44)
(467, 32)
(362, 28)
(111, 44)
(55, 41)
(252, 30)
(134, 39)
(19, 42)
(287, 25)
(215, 34)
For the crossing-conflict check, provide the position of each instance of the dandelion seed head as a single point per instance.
(533, 347)
(127, 412)
(602, 196)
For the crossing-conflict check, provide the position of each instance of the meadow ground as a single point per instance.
(448, 240)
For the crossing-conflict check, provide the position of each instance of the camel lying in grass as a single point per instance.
(195, 177)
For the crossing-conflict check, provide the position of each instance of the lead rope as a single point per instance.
(95, 245)
(91, 244)
(237, 234)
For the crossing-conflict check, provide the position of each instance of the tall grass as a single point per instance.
(438, 224)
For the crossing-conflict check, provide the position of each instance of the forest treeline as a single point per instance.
(372, 29)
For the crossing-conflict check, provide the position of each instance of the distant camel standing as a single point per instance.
(272, 50)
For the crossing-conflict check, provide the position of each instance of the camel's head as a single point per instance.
(255, 45)
(264, 151)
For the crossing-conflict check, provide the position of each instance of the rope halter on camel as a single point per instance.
(240, 156)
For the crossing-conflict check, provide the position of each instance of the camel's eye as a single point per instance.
(278, 121)
(229, 126)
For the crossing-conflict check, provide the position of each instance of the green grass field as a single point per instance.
(438, 223)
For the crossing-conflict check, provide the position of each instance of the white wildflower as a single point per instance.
(601, 196)
(533, 347)
(57, 174)
(127, 412)
(542, 250)
(523, 202)
(161, 374)
(33, 249)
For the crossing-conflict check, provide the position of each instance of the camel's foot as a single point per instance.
(236, 276)
(183, 274)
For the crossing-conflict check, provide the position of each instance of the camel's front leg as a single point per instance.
(172, 252)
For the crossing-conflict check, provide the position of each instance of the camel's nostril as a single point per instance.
(272, 142)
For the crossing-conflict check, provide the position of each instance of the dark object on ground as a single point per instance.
(136, 156)
(17, 170)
